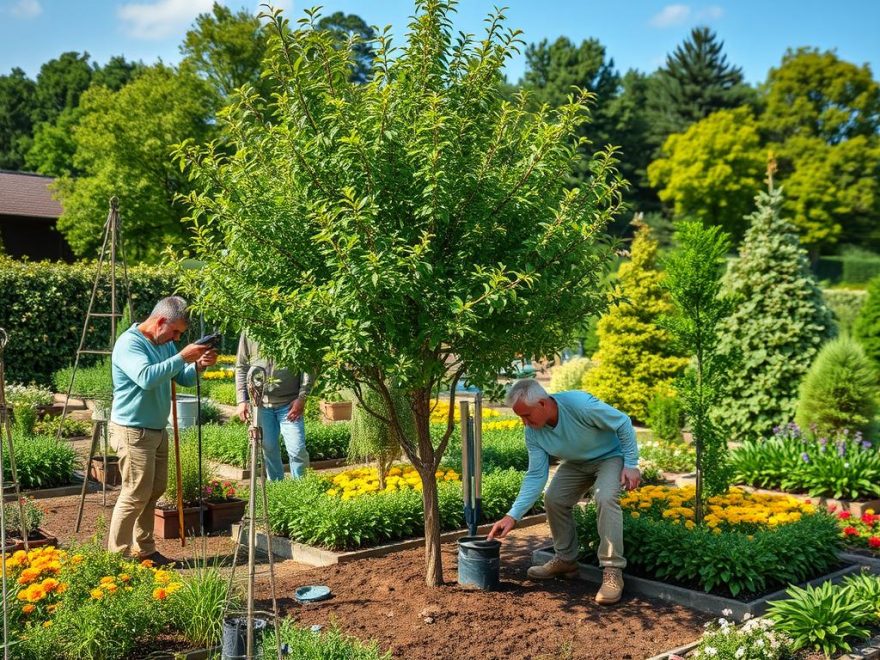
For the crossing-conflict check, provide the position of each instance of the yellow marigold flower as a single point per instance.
(107, 579)
(35, 593)
(19, 555)
(96, 594)
(634, 514)
(689, 524)
(110, 587)
(49, 584)
(61, 588)
(159, 593)
(162, 577)
(124, 577)
(47, 624)
(174, 586)
(28, 608)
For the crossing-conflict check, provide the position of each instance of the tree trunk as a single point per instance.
(431, 508)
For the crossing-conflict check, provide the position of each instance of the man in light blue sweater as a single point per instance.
(597, 446)
(144, 362)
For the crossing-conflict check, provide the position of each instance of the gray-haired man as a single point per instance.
(145, 361)
(597, 446)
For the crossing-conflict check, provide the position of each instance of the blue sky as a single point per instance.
(636, 33)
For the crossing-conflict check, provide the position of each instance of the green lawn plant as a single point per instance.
(636, 360)
(570, 375)
(827, 618)
(693, 282)
(840, 390)
(777, 327)
(406, 230)
(197, 608)
(331, 644)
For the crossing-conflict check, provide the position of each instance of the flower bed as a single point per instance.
(305, 510)
(748, 544)
(862, 532)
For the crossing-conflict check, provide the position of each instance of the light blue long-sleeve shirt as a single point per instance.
(142, 373)
(587, 430)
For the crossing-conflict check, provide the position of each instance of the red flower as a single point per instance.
(844, 515)
(869, 519)
(850, 531)
(874, 542)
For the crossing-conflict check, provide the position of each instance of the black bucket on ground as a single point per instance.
(478, 562)
(235, 637)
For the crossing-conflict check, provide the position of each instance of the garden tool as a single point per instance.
(471, 462)
(177, 474)
(212, 340)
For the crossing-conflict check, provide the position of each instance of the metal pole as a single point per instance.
(465, 461)
(178, 476)
(256, 379)
(478, 457)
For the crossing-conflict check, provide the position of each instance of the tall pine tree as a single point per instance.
(695, 82)
(635, 361)
(778, 326)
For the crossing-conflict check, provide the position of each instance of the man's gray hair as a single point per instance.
(172, 308)
(527, 390)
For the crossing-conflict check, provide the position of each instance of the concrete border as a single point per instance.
(311, 555)
(226, 471)
(74, 488)
(871, 562)
(696, 600)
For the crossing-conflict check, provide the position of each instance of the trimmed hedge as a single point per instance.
(502, 449)
(851, 269)
(43, 307)
(845, 304)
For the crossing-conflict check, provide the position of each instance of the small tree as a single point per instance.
(867, 324)
(777, 327)
(693, 280)
(840, 391)
(401, 232)
(372, 439)
(636, 359)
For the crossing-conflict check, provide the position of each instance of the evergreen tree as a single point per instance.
(16, 108)
(695, 82)
(867, 324)
(840, 391)
(635, 361)
(778, 326)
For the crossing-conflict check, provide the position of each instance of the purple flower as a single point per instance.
(841, 448)
(866, 444)
(823, 441)
(777, 430)
(805, 457)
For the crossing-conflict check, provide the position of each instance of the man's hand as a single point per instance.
(501, 528)
(207, 360)
(630, 478)
(296, 409)
(192, 352)
(244, 411)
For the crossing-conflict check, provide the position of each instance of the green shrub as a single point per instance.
(327, 441)
(866, 327)
(300, 510)
(93, 382)
(777, 328)
(865, 587)
(570, 375)
(371, 438)
(666, 418)
(331, 644)
(825, 618)
(41, 462)
(629, 335)
(851, 269)
(841, 466)
(25, 401)
(840, 390)
(43, 306)
(669, 456)
(222, 392)
(730, 563)
(33, 516)
(210, 412)
(846, 305)
(72, 428)
(502, 449)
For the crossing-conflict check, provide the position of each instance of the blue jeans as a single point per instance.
(274, 422)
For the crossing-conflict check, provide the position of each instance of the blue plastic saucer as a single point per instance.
(312, 593)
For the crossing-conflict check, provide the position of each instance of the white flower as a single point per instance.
(746, 616)
(727, 611)
(740, 652)
(723, 622)
(760, 643)
(711, 651)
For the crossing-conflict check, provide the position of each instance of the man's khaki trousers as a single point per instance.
(143, 462)
(571, 481)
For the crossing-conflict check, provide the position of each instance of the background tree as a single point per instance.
(60, 84)
(867, 324)
(351, 27)
(16, 126)
(712, 171)
(777, 327)
(694, 285)
(695, 82)
(635, 360)
(404, 231)
(122, 148)
(840, 389)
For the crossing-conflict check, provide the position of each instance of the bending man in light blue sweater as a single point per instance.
(145, 361)
(597, 446)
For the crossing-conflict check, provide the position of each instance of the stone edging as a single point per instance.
(74, 488)
(226, 471)
(284, 548)
(696, 600)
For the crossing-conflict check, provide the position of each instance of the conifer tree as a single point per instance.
(778, 326)
(635, 360)
(840, 390)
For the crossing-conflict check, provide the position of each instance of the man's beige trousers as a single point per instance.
(571, 481)
(143, 462)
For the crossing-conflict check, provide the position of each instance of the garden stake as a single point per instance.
(471, 462)
(7, 438)
(179, 477)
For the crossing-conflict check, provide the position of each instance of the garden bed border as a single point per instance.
(311, 555)
(696, 600)
(73, 488)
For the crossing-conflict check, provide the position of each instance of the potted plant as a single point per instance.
(222, 506)
(33, 518)
(112, 476)
(166, 522)
(334, 408)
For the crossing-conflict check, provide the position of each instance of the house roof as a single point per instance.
(27, 194)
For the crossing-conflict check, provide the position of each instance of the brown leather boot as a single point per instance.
(612, 586)
(556, 567)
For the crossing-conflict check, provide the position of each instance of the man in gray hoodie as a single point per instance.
(284, 399)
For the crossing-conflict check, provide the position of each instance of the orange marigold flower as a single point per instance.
(110, 587)
(61, 588)
(28, 575)
(124, 577)
(77, 559)
(147, 563)
(159, 593)
(51, 608)
(27, 609)
(107, 579)
(19, 555)
(35, 593)
(50, 584)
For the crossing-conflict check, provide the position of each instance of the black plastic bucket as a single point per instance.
(235, 637)
(478, 562)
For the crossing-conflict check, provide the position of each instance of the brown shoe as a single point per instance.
(556, 567)
(612, 586)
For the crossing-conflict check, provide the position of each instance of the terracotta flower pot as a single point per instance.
(167, 526)
(113, 476)
(335, 411)
(222, 515)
